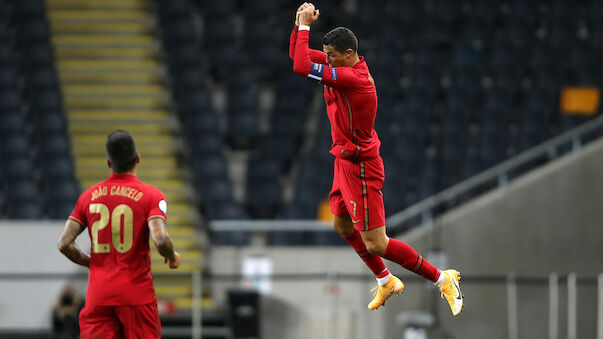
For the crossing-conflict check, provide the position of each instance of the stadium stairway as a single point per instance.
(111, 77)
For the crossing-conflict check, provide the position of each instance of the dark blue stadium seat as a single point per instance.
(262, 168)
(200, 121)
(47, 101)
(280, 147)
(6, 52)
(14, 146)
(11, 123)
(18, 168)
(55, 145)
(216, 192)
(207, 145)
(173, 10)
(10, 100)
(21, 191)
(468, 55)
(190, 78)
(42, 79)
(194, 101)
(37, 55)
(23, 210)
(8, 78)
(49, 124)
(264, 198)
(58, 168)
(210, 167)
(243, 129)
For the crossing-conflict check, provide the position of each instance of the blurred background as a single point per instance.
(490, 128)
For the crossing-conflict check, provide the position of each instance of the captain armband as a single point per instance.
(316, 71)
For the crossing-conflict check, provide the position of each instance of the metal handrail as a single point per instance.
(499, 173)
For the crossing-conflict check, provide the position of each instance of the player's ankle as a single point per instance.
(441, 279)
(383, 281)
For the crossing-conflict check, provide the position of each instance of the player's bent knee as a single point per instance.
(375, 247)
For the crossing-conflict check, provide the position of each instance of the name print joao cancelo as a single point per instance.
(124, 191)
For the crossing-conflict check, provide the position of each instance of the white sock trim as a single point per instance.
(441, 279)
(383, 281)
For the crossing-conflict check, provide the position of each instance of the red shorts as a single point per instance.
(357, 192)
(116, 322)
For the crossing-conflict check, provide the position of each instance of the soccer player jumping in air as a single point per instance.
(356, 199)
(120, 213)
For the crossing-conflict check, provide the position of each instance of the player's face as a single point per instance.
(335, 58)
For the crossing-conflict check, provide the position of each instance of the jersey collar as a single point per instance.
(118, 176)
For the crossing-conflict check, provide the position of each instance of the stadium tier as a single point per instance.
(462, 86)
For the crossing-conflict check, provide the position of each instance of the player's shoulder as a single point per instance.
(148, 188)
(95, 190)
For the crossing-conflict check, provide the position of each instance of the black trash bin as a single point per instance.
(244, 313)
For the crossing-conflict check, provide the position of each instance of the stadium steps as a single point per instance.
(111, 75)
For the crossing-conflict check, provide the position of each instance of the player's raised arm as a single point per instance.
(67, 246)
(302, 62)
(316, 56)
(163, 242)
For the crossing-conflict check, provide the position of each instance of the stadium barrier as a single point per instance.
(553, 282)
(500, 175)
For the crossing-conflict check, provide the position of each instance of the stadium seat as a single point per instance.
(217, 191)
(210, 167)
(21, 191)
(207, 145)
(47, 101)
(23, 210)
(18, 168)
(14, 146)
(226, 211)
(243, 129)
(200, 121)
(8, 78)
(55, 145)
(11, 123)
(262, 168)
(10, 100)
(58, 168)
(37, 56)
(263, 198)
(194, 101)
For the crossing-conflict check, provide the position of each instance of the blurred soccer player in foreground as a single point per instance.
(120, 213)
(356, 199)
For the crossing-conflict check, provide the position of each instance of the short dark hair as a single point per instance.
(341, 38)
(121, 150)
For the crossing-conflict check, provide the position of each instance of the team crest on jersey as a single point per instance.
(333, 74)
(163, 206)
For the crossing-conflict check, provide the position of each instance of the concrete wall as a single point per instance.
(300, 308)
(547, 221)
(31, 247)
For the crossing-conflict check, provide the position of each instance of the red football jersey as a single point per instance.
(116, 212)
(350, 95)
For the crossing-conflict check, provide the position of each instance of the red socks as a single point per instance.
(396, 251)
(373, 262)
(401, 253)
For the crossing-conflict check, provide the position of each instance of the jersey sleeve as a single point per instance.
(157, 205)
(340, 78)
(315, 55)
(79, 214)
